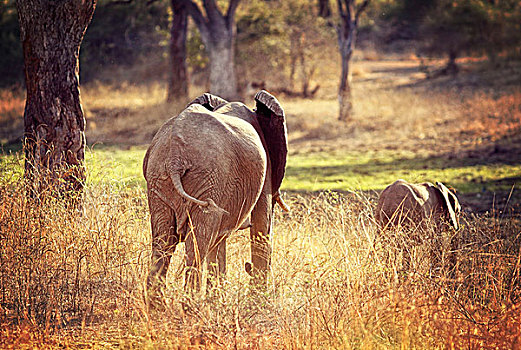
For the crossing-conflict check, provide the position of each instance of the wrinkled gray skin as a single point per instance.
(415, 206)
(412, 204)
(207, 170)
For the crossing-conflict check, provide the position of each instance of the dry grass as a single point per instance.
(70, 279)
(395, 108)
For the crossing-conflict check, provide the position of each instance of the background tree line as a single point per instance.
(124, 33)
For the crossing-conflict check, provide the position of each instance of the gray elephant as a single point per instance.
(215, 168)
(419, 207)
(412, 204)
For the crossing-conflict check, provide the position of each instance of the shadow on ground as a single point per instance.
(476, 192)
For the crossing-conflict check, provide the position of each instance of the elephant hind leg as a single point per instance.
(203, 227)
(260, 242)
(216, 261)
(164, 242)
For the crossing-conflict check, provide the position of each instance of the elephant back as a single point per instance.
(217, 156)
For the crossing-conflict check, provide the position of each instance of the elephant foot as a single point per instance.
(155, 296)
(258, 280)
(249, 268)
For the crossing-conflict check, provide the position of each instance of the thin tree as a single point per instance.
(51, 35)
(218, 35)
(324, 9)
(178, 81)
(349, 12)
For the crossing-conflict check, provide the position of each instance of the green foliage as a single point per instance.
(472, 26)
(197, 58)
(283, 36)
(11, 59)
(120, 34)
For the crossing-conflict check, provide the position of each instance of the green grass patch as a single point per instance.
(120, 167)
(314, 171)
(375, 170)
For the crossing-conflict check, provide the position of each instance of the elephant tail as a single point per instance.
(210, 204)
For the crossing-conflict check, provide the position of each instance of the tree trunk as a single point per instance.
(346, 39)
(178, 82)
(218, 35)
(51, 34)
(223, 81)
(452, 67)
(344, 92)
(324, 10)
(349, 13)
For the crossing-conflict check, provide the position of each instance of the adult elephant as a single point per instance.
(208, 170)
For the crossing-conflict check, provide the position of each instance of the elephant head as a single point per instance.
(272, 121)
(270, 117)
(419, 206)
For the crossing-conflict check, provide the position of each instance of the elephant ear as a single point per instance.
(273, 125)
(209, 101)
(450, 203)
(268, 104)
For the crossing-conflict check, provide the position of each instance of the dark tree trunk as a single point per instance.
(347, 31)
(452, 67)
(218, 34)
(324, 10)
(178, 82)
(51, 34)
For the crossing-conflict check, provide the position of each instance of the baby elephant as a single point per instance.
(411, 204)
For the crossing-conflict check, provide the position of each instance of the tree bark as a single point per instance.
(54, 135)
(223, 81)
(347, 30)
(346, 45)
(178, 82)
(344, 90)
(324, 10)
(218, 35)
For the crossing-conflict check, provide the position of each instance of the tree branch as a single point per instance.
(196, 14)
(349, 10)
(341, 11)
(212, 11)
(230, 14)
(361, 8)
(120, 2)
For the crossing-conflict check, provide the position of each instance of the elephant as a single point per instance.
(418, 207)
(215, 168)
(410, 204)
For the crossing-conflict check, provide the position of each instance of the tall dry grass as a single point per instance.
(77, 279)
(62, 268)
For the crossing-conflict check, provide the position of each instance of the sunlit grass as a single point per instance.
(115, 165)
(322, 171)
(375, 170)
(334, 283)
(70, 280)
